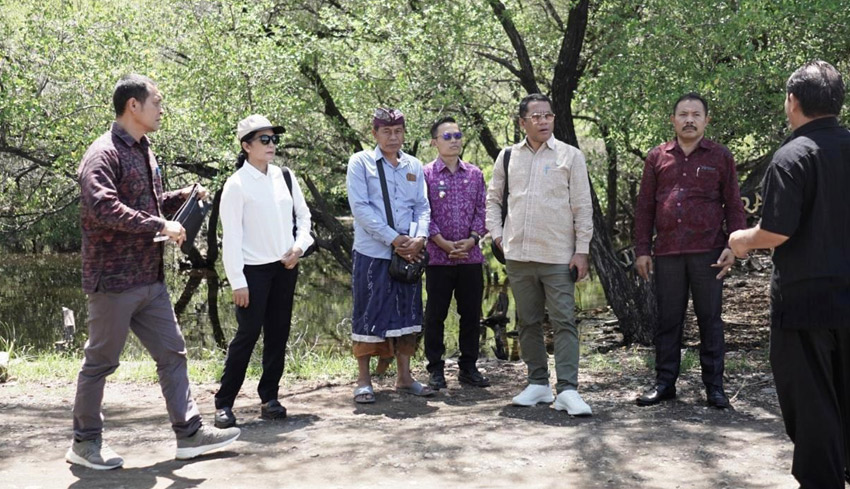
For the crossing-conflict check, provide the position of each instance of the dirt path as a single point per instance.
(462, 438)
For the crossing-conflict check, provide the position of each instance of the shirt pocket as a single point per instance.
(707, 181)
(556, 181)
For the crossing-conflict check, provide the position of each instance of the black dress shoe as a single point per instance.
(224, 418)
(272, 410)
(717, 398)
(657, 394)
(473, 377)
(437, 380)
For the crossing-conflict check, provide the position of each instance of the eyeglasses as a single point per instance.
(539, 117)
(447, 136)
(265, 139)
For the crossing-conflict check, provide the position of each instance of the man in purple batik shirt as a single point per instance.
(457, 194)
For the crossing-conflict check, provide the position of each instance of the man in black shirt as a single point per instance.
(806, 218)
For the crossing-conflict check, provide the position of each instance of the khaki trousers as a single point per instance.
(538, 288)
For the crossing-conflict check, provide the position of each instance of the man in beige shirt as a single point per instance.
(546, 236)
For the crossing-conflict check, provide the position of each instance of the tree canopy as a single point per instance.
(319, 67)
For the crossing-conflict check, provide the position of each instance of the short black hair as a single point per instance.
(819, 88)
(534, 97)
(691, 96)
(130, 86)
(439, 122)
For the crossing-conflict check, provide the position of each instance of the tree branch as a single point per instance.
(20, 153)
(567, 72)
(550, 9)
(526, 72)
(502, 61)
(349, 135)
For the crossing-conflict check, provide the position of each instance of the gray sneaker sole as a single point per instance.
(187, 453)
(73, 458)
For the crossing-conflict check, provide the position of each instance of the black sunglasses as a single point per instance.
(447, 136)
(265, 139)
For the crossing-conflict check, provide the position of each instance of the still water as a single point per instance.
(35, 288)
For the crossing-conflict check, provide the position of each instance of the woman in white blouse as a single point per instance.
(261, 248)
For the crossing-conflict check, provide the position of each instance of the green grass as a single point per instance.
(303, 362)
(642, 359)
(307, 361)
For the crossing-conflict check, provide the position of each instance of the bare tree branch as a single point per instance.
(526, 71)
(502, 61)
(567, 72)
(550, 9)
(20, 153)
(331, 110)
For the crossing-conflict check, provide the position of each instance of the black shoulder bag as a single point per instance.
(400, 269)
(191, 215)
(310, 249)
(497, 252)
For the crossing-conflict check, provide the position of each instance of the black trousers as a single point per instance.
(811, 369)
(271, 289)
(675, 276)
(467, 284)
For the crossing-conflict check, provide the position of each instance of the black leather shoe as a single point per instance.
(272, 410)
(717, 398)
(657, 394)
(437, 380)
(473, 377)
(224, 418)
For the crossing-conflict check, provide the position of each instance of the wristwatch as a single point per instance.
(475, 238)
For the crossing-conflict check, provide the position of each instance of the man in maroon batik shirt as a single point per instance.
(689, 196)
(457, 194)
(121, 208)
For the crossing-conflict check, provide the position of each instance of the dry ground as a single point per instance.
(463, 437)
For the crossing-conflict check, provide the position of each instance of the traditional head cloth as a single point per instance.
(387, 117)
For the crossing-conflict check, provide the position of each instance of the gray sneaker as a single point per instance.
(94, 454)
(205, 439)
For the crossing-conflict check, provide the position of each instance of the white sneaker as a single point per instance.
(571, 402)
(533, 394)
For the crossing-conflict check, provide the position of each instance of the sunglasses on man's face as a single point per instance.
(447, 136)
(265, 139)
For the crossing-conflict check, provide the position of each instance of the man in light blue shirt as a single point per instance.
(387, 313)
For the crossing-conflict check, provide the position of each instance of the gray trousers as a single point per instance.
(537, 288)
(147, 311)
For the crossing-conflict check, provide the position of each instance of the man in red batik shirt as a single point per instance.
(689, 196)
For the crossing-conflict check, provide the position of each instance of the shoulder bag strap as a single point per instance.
(288, 177)
(385, 192)
(505, 161)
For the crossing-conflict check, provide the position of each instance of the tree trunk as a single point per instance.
(632, 302)
(341, 242)
(631, 299)
(213, 282)
(212, 230)
(613, 175)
